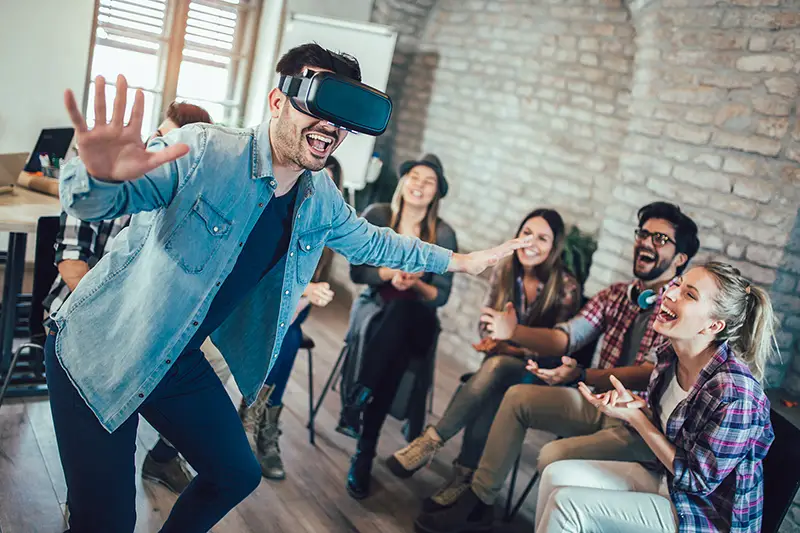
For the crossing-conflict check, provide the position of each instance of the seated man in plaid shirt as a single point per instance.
(79, 246)
(665, 240)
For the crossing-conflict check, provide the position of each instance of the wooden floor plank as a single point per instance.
(28, 501)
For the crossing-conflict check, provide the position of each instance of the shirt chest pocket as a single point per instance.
(309, 250)
(197, 237)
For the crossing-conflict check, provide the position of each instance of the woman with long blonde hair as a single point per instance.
(536, 284)
(394, 320)
(706, 419)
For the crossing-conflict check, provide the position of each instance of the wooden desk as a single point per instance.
(19, 214)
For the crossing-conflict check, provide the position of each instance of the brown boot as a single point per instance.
(253, 416)
(268, 451)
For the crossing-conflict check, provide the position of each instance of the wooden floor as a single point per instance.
(311, 499)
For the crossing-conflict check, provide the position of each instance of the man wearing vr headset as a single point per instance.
(229, 228)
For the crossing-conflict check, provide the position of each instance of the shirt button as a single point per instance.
(218, 284)
(287, 292)
(195, 323)
(261, 204)
(168, 361)
(141, 395)
(282, 324)
(308, 246)
(291, 254)
(216, 229)
(241, 244)
(272, 183)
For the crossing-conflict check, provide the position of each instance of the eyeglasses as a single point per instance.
(658, 239)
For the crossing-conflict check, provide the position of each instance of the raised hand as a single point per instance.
(617, 403)
(500, 324)
(477, 262)
(112, 150)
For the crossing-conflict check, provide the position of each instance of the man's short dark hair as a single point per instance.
(313, 55)
(685, 227)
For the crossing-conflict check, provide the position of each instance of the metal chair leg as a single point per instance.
(510, 516)
(310, 396)
(12, 366)
(510, 495)
(325, 388)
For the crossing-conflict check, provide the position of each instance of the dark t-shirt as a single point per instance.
(264, 250)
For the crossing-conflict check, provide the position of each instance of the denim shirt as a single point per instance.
(134, 312)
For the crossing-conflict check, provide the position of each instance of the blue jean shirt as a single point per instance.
(134, 312)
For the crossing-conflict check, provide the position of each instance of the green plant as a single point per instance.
(578, 250)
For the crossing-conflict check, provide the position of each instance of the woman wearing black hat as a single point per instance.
(399, 309)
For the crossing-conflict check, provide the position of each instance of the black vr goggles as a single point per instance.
(343, 102)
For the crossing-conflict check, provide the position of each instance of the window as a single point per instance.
(197, 51)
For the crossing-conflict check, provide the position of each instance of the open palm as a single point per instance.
(476, 262)
(113, 150)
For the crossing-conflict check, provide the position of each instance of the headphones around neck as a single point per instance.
(644, 299)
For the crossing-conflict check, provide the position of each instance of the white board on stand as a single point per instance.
(373, 46)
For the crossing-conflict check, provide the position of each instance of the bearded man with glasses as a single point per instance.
(665, 240)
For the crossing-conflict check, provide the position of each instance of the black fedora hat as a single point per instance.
(432, 162)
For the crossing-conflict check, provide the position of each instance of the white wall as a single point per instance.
(44, 49)
(262, 79)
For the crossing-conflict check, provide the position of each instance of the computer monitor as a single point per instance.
(54, 142)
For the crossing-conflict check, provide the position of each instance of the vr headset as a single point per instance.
(343, 102)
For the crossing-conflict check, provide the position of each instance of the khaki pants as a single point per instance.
(560, 410)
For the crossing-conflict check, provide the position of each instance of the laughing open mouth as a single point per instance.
(319, 143)
(645, 258)
(665, 315)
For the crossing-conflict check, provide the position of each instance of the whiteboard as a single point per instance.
(373, 46)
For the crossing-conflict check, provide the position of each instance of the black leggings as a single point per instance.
(403, 330)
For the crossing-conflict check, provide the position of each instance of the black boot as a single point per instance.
(360, 474)
(352, 412)
(467, 514)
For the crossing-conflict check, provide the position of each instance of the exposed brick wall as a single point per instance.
(714, 127)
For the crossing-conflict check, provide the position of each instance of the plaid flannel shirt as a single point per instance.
(612, 312)
(80, 241)
(722, 432)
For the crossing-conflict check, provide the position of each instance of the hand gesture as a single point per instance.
(402, 281)
(500, 324)
(618, 403)
(112, 150)
(319, 294)
(566, 373)
(477, 262)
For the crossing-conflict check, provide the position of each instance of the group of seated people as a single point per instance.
(672, 412)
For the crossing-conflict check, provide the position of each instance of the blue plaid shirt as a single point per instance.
(722, 432)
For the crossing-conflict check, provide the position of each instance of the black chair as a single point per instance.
(308, 344)
(27, 363)
(413, 427)
(781, 472)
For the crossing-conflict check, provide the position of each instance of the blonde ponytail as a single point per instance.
(750, 322)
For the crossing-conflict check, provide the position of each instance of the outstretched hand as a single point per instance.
(617, 403)
(477, 262)
(113, 150)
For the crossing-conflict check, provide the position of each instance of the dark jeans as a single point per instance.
(191, 408)
(403, 330)
(279, 375)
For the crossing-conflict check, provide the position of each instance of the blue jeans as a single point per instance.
(189, 407)
(279, 375)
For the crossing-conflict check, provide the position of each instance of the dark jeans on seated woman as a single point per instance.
(403, 330)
